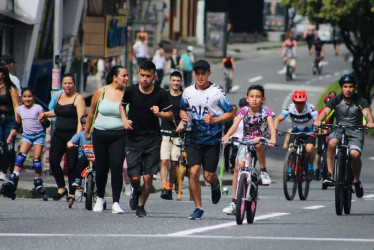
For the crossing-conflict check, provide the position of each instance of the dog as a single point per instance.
(182, 171)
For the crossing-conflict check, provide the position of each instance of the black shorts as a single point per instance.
(206, 155)
(310, 139)
(142, 160)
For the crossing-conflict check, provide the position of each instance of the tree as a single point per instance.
(355, 18)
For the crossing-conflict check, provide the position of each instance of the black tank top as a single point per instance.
(6, 103)
(67, 119)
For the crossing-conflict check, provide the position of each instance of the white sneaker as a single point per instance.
(265, 178)
(293, 76)
(230, 209)
(127, 189)
(99, 205)
(116, 209)
(3, 177)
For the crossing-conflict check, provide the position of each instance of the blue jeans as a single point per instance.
(7, 155)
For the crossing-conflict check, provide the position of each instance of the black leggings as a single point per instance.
(109, 148)
(57, 151)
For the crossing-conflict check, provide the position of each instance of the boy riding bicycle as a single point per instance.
(83, 155)
(257, 118)
(302, 115)
(350, 109)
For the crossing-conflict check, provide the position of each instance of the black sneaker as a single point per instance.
(310, 175)
(329, 181)
(140, 212)
(359, 190)
(196, 214)
(216, 194)
(164, 193)
(317, 175)
(133, 201)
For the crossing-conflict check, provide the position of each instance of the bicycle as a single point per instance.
(317, 65)
(288, 70)
(228, 81)
(88, 175)
(343, 176)
(295, 168)
(246, 198)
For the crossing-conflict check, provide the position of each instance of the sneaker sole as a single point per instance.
(194, 218)
(118, 212)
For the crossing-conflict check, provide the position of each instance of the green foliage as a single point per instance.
(333, 87)
(355, 19)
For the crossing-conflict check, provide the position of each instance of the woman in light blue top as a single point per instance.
(108, 137)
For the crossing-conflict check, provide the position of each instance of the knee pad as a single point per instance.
(37, 165)
(20, 159)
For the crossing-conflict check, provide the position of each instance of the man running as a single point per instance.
(210, 107)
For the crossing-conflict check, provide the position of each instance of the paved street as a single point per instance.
(279, 224)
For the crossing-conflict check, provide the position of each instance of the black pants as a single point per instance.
(234, 152)
(160, 76)
(187, 78)
(109, 148)
(57, 151)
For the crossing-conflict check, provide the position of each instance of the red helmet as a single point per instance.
(299, 96)
(328, 98)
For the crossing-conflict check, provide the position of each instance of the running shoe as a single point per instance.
(359, 189)
(99, 205)
(329, 181)
(197, 214)
(310, 175)
(116, 208)
(216, 194)
(166, 194)
(230, 208)
(77, 182)
(317, 175)
(140, 212)
(134, 200)
(265, 178)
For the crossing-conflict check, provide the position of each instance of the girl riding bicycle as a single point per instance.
(257, 119)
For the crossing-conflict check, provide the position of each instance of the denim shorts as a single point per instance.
(34, 139)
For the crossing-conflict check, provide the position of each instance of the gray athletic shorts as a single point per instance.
(355, 138)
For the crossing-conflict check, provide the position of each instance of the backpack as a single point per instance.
(228, 63)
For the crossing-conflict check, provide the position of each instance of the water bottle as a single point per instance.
(188, 125)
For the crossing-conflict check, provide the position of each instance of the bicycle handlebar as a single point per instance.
(263, 140)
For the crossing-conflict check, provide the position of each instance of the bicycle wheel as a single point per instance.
(339, 182)
(89, 191)
(289, 175)
(288, 73)
(303, 182)
(252, 204)
(240, 199)
(347, 192)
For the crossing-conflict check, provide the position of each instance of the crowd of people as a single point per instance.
(141, 129)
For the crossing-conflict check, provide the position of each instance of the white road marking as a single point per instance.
(314, 207)
(371, 158)
(255, 79)
(235, 88)
(336, 73)
(320, 78)
(368, 196)
(324, 63)
(282, 71)
(328, 76)
(33, 235)
(229, 224)
(307, 82)
(288, 87)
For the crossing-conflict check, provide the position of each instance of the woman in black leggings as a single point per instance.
(69, 108)
(108, 137)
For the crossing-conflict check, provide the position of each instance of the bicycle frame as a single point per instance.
(249, 169)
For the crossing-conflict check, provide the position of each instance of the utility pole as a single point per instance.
(129, 40)
(57, 41)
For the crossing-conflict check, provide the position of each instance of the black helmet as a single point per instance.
(347, 78)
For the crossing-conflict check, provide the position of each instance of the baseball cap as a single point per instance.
(7, 59)
(201, 64)
(189, 48)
